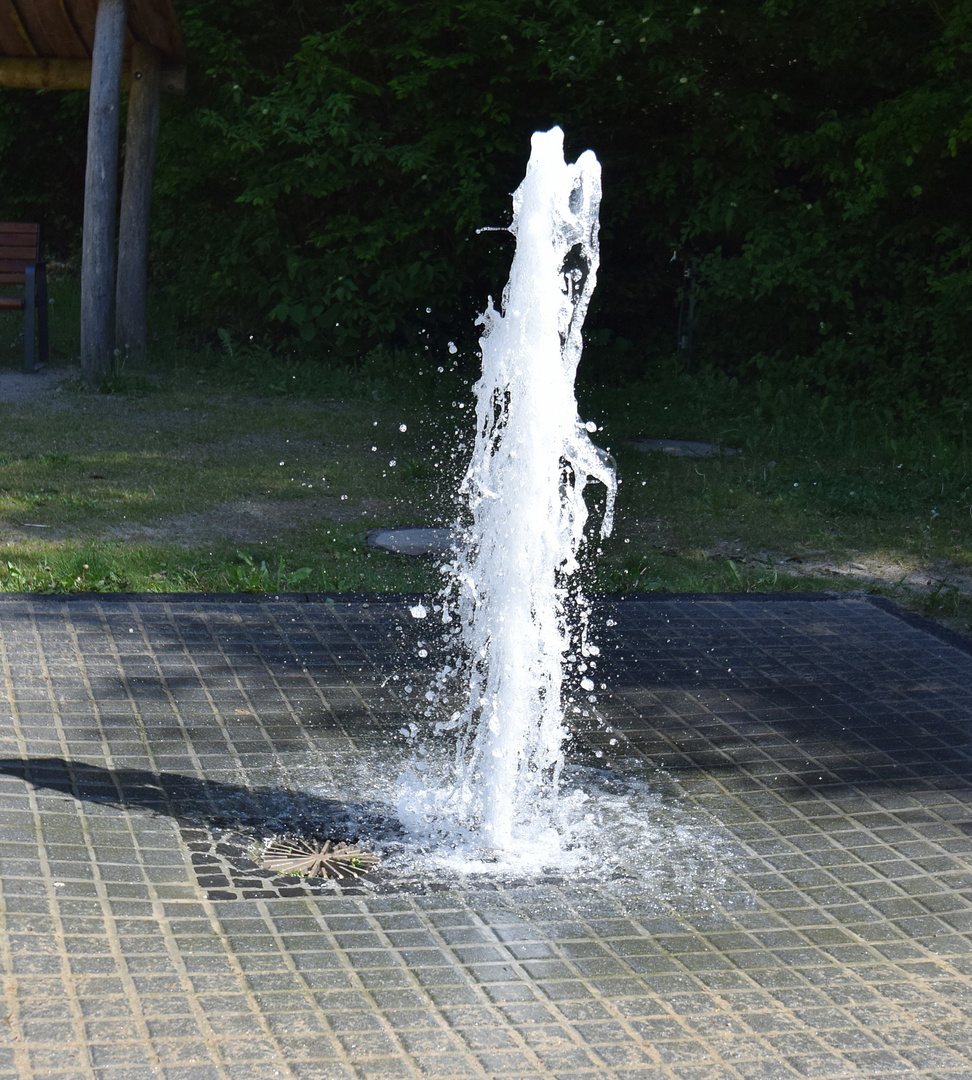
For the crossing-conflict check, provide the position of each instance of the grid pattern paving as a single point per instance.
(824, 743)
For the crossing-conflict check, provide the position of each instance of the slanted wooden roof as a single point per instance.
(46, 44)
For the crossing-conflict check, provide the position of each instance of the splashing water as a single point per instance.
(519, 618)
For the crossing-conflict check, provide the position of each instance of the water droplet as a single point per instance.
(403, 427)
(418, 611)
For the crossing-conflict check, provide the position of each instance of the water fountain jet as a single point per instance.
(523, 495)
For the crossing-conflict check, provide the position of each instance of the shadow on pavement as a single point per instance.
(214, 803)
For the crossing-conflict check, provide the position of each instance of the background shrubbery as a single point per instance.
(321, 183)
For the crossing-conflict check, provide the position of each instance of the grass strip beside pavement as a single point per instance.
(193, 488)
(819, 495)
(203, 481)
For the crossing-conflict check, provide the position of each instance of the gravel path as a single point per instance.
(16, 388)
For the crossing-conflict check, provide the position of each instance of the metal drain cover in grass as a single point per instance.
(316, 858)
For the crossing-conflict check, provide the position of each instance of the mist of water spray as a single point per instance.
(520, 615)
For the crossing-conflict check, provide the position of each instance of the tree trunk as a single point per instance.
(100, 184)
(141, 139)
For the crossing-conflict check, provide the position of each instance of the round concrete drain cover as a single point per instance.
(418, 541)
(681, 447)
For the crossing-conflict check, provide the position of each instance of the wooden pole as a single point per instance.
(141, 139)
(100, 187)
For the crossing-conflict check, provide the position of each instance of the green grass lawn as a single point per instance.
(193, 488)
(817, 498)
(227, 471)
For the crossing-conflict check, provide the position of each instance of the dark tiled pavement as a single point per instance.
(146, 743)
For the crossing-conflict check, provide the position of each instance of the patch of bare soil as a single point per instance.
(246, 522)
(254, 520)
(920, 586)
(867, 571)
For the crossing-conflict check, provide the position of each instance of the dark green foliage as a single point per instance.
(849, 267)
(42, 140)
(321, 184)
(339, 194)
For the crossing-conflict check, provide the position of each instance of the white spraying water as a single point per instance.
(520, 619)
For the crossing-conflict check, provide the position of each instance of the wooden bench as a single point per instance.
(20, 264)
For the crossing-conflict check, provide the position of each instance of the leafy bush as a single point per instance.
(320, 185)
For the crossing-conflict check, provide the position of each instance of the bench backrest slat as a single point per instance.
(19, 244)
(21, 254)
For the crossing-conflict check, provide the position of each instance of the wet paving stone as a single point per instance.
(821, 747)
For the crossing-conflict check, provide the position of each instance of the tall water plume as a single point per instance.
(521, 617)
